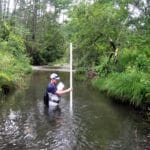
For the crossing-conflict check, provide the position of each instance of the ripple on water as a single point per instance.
(95, 124)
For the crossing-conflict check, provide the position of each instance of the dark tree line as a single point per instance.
(40, 19)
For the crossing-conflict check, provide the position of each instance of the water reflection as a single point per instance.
(96, 123)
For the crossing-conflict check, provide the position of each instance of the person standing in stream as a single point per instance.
(54, 91)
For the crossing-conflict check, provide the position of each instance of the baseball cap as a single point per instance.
(54, 76)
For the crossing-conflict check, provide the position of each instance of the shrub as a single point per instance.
(14, 63)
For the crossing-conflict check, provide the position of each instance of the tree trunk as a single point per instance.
(4, 9)
(1, 10)
(34, 23)
(8, 3)
(115, 51)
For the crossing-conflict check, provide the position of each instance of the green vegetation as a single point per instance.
(14, 63)
(112, 39)
(133, 86)
(29, 34)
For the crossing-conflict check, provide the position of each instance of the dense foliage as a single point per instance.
(30, 32)
(14, 63)
(112, 39)
(45, 41)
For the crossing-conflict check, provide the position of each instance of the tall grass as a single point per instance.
(132, 86)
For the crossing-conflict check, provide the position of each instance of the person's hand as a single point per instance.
(70, 89)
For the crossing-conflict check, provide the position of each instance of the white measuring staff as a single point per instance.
(71, 80)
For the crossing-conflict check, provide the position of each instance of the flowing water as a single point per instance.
(97, 123)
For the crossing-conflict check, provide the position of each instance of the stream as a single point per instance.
(97, 123)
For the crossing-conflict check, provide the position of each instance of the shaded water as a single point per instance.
(96, 124)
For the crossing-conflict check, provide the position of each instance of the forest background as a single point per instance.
(111, 39)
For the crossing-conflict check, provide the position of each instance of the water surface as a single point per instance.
(96, 124)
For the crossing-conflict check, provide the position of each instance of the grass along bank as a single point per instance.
(130, 86)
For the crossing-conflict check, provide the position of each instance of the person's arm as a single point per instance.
(63, 91)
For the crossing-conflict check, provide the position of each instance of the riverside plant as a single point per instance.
(132, 87)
